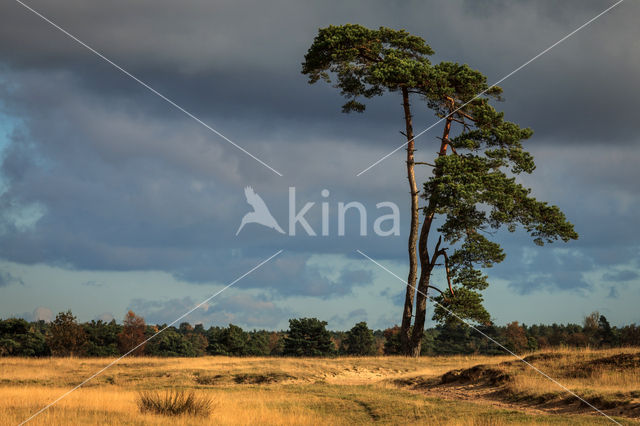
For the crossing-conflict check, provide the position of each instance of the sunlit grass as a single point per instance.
(286, 391)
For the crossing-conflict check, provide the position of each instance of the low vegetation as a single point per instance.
(457, 390)
(175, 402)
(608, 380)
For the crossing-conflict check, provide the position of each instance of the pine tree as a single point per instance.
(360, 340)
(472, 191)
(308, 337)
(367, 63)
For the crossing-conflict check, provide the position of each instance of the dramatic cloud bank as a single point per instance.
(99, 174)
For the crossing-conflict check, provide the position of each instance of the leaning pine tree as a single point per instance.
(472, 189)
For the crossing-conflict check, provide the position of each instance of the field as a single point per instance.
(457, 390)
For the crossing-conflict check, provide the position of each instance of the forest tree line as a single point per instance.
(64, 336)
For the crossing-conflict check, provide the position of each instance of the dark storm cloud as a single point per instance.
(111, 206)
(125, 182)
(232, 58)
(129, 191)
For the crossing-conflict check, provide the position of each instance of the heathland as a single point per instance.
(459, 389)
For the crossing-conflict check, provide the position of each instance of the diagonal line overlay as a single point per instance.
(493, 85)
(146, 86)
(542, 373)
(64, 395)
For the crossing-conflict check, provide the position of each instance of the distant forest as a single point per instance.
(306, 337)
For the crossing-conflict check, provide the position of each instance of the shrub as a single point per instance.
(174, 403)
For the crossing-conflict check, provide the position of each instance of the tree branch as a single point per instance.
(442, 252)
(464, 114)
(436, 251)
(363, 49)
(446, 266)
(436, 289)
(447, 143)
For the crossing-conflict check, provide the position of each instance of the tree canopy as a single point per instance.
(308, 337)
(472, 191)
(360, 340)
(473, 188)
(365, 62)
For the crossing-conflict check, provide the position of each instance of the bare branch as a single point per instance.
(436, 289)
(436, 251)
(466, 115)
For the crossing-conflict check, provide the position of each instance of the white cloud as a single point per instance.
(43, 314)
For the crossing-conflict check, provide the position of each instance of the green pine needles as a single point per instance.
(472, 190)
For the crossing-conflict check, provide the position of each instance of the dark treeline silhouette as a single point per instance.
(306, 337)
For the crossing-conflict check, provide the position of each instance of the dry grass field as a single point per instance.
(457, 390)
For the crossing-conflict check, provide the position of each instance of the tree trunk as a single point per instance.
(426, 264)
(426, 267)
(413, 233)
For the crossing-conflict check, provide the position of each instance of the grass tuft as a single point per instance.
(175, 403)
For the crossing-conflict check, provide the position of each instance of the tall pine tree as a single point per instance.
(472, 190)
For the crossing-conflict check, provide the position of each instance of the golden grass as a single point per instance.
(291, 391)
(567, 366)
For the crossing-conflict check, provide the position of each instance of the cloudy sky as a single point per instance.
(112, 199)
